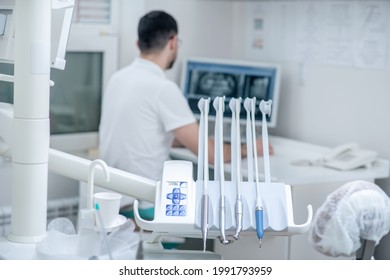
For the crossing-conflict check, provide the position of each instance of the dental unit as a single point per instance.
(220, 217)
(183, 207)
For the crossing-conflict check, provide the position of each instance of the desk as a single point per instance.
(309, 185)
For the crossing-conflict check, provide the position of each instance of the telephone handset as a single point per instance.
(348, 156)
(334, 152)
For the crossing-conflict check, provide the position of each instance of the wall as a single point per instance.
(327, 104)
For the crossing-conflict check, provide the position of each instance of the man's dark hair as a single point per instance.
(154, 30)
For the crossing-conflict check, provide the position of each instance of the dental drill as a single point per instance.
(265, 108)
(203, 170)
(250, 106)
(235, 105)
(219, 105)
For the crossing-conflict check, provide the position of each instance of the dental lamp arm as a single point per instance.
(120, 181)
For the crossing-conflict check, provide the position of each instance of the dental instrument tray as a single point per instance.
(178, 208)
(219, 208)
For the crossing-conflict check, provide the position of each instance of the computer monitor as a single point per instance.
(204, 77)
(75, 98)
(78, 91)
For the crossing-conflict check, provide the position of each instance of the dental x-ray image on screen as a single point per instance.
(257, 87)
(208, 84)
(203, 78)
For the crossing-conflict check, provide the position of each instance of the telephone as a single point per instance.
(348, 156)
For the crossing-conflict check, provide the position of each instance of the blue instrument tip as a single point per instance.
(259, 223)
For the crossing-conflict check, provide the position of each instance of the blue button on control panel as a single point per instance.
(176, 200)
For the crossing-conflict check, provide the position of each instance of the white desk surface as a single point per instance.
(286, 151)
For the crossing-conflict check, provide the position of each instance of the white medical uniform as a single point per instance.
(141, 108)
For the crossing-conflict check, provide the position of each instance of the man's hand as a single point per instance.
(259, 146)
(187, 136)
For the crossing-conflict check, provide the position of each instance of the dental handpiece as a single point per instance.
(222, 211)
(203, 167)
(239, 213)
(265, 108)
(259, 223)
(204, 221)
(235, 105)
(219, 172)
(259, 206)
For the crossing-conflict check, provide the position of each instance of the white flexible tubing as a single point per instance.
(256, 170)
(204, 105)
(205, 163)
(264, 111)
(249, 146)
(220, 145)
(238, 146)
(200, 140)
(235, 142)
(206, 147)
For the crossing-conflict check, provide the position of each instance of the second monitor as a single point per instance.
(204, 77)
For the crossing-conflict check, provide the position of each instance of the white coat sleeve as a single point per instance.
(173, 108)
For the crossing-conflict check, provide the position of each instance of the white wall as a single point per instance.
(333, 104)
(130, 13)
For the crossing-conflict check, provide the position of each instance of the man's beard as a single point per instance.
(173, 59)
(170, 65)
